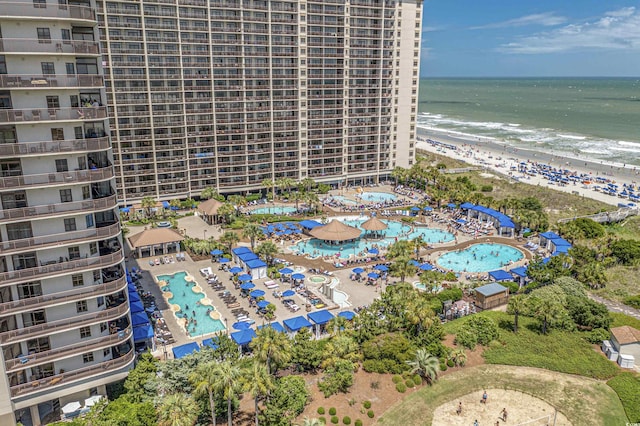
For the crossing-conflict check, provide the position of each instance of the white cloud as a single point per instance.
(619, 29)
(547, 19)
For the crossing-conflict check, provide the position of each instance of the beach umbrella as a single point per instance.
(263, 304)
(374, 251)
(427, 209)
(381, 268)
(236, 270)
(451, 205)
(216, 252)
(414, 262)
(245, 277)
(297, 277)
(247, 286)
(358, 271)
(288, 293)
(415, 209)
(426, 267)
(224, 260)
(241, 325)
(348, 315)
(373, 275)
(286, 271)
(257, 293)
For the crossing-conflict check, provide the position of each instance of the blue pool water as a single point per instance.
(315, 247)
(343, 199)
(185, 297)
(480, 258)
(274, 210)
(377, 197)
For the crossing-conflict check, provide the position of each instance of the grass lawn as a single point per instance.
(627, 386)
(629, 229)
(583, 401)
(621, 282)
(622, 319)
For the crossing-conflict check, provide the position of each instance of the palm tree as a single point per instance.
(308, 183)
(420, 314)
(147, 204)
(227, 382)
(337, 325)
(268, 250)
(402, 267)
(204, 382)
(458, 357)
(517, 305)
(271, 347)
(287, 183)
(312, 200)
(400, 248)
(398, 174)
(237, 201)
(270, 184)
(258, 382)
(419, 243)
(253, 232)
(426, 365)
(229, 238)
(226, 210)
(296, 197)
(177, 409)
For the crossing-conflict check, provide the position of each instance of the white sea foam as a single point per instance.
(625, 143)
(574, 137)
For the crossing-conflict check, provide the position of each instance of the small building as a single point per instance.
(491, 295)
(156, 241)
(208, 211)
(626, 341)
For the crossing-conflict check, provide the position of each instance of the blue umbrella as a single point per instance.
(427, 209)
(382, 268)
(245, 277)
(358, 271)
(414, 262)
(247, 286)
(224, 260)
(348, 315)
(374, 251)
(415, 209)
(288, 293)
(241, 325)
(236, 270)
(373, 275)
(257, 293)
(426, 267)
(286, 271)
(216, 252)
(263, 304)
(297, 276)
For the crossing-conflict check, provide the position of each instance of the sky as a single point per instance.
(530, 38)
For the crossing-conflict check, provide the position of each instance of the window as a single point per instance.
(70, 224)
(106, 352)
(70, 67)
(81, 306)
(62, 165)
(85, 332)
(34, 318)
(103, 327)
(100, 301)
(40, 344)
(82, 163)
(57, 134)
(93, 248)
(31, 289)
(13, 200)
(86, 192)
(10, 168)
(19, 231)
(74, 252)
(40, 4)
(65, 196)
(3, 65)
(66, 34)
(24, 261)
(77, 280)
(53, 102)
(89, 220)
(48, 68)
(88, 357)
(44, 35)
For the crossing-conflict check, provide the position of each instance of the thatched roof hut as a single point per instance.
(335, 231)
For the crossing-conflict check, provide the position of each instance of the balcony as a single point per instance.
(49, 210)
(55, 147)
(63, 379)
(17, 116)
(33, 46)
(47, 300)
(15, 81)
(59, 326)
(22, 10)
(61, 268)
(57, 240)
(64, 178)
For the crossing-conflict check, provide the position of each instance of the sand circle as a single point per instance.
(521, 408)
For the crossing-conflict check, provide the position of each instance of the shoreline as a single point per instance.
(501, 158)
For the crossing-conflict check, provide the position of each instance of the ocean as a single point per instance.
(591, 118)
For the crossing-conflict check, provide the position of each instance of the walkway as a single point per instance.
(617, 307)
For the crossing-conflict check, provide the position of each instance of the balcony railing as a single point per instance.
(61, 297)
(53, 269)
(54, 147)
(64, 178)
(64, 378)
(39, 358)
(59, 239)
(64, 324)
(63, 11)
(13, 81)
(55, 209)
(44, 114)
(34, 45)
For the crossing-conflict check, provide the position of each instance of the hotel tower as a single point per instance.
(64, 313)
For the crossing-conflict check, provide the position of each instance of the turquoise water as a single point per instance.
(479, 258)
(592, 117)
(377, 197)
(343, 199)
(274, 210)
(185, 297)
(315, 247)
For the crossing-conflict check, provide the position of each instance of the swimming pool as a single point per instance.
(315, 247)
(480, 258)
(274, 210)
(344, 200)
(183, 296)
(377, 197)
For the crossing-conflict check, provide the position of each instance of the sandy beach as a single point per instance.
(499, 158)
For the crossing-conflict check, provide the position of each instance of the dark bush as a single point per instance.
(417, 379)
(323, 420)
(358, 423)
(633, 301)
(370, 414)
(400, 387)
(396, 379)
(320, 410)
(366, 404)
(332, 411)
(346, 420)
(409, 383)
(486, 188)
(450, 363)
(335, 420)
(443, 367)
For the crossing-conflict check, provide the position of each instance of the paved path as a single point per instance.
(617, 307)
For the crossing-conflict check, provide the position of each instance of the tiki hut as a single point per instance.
(156, 241)
(208, 210)
(374, 226)
(335, 231)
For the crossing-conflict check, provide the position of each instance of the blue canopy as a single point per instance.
(223, 260)
(286, 271)
(560, 250)
(166, 204)
(373, 275)
(520, 271)
(560, 242)
(451, 205)
(240, 250)
(184, 350)
(245, 257)
(296, 323)
(210, 343)
(467, 206)
(373, 251)
(427, 209)
(500, 275)
(309, 224)
(133, 297)
(415, 209)
(320, 317)
(247, 286)
(241, 325)
(414, 262)
(263, 304)
(348, 315)
(131, 287)
(236, 270)
(136, 307)
(382, 268)
(139, 318)
(243, 337)
(125, 210)
(216, 252)
(142, 333)
(257, 293)
(504, 221)
(426, 267)
(245, 277)
(358, 270)
(275, 325)
(546, 260)
(549, 235)
(288, 293)
(255, 264)
(297, 276)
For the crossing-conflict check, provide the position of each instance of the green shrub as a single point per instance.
(627, 386)
(370, 414)
(597, 335)
(358, 423)
(400, 387)
(332, 411)
(323, 420)
(409, 383)
(417, 379)
(366, 404)
(320, 410)
(338, 378)
(335, 420)
(454, 294)
(450, 363)
(633, 301)
(396, 379)
(443, 367)
(346, 420)
(486, 188)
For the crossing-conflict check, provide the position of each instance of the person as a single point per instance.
(484, 397)
(459, 410)
(504, 414)
(475, 423)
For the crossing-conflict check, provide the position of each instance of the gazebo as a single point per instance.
(208, 210)
(156, 241)
(374, 226)
(335, 231)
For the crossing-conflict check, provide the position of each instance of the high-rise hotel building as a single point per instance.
(228, 93)
(64, 315)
